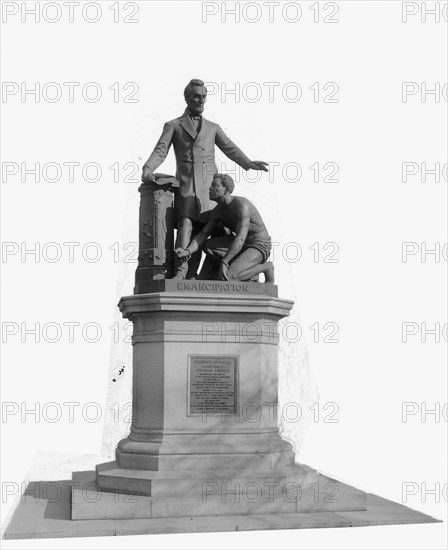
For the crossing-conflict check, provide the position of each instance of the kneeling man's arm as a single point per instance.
(198, 240)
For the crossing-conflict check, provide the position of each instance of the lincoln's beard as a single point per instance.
(195, 109)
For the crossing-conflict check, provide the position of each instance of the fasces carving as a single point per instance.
(156, 232)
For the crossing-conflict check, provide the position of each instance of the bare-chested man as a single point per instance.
(243, 256)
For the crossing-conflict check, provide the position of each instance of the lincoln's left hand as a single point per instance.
(258, 165)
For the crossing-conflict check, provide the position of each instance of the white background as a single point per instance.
(369, 213)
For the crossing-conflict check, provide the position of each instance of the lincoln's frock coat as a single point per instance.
(195, 161)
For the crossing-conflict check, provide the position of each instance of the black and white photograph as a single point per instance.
(224, 250)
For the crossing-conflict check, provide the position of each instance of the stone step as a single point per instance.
(204, 461)
(110, 477)
(89, 502)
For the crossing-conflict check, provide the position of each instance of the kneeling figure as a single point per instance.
(242, 256)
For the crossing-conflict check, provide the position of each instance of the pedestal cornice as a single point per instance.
(202, 302)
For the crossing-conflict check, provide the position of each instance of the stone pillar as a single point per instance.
(205, 379)
(156, 235)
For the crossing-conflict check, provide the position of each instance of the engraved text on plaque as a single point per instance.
(212, 384)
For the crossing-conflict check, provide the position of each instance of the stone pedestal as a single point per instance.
(204, 438)
(156, 232)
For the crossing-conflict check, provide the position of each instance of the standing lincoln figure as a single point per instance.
(194, 139)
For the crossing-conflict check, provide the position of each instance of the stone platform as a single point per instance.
(286, 491)
(39, 517)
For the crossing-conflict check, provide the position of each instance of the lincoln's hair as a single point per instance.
(227, 181)
(188, 89)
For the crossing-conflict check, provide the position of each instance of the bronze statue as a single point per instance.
(242, 256)
(194, 139)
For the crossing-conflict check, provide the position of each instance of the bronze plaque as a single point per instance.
(212, 384)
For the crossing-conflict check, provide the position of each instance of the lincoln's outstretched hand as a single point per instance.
(258, 165)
